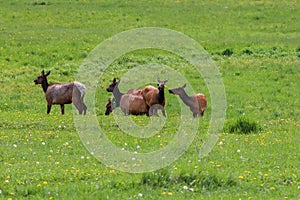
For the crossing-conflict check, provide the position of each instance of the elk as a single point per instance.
(113, 87)
(62, 93)
(133, 104)
(115, 102)
(197, 102)
(130, 104)
(155, 97)
(109, 107)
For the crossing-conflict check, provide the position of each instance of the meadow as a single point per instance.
(255, 46)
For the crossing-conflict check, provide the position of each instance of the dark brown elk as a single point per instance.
(197, 102)
(155, 97)
(109, 107)
(62, 93)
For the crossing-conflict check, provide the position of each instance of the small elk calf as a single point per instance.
(109, 106)
(62, 93)
(197, 102)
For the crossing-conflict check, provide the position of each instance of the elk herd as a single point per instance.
(136, 101)
(149, 100)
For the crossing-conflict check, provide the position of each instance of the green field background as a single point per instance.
(255, 46)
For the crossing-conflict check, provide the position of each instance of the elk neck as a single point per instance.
(161, 96)
(117, 94)
(45, 85)
(185, 98)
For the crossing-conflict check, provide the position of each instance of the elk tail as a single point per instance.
(81, 88)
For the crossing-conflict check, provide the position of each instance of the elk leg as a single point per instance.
(62, 106)
(84, 108)
(150, 112)
(147, 112)
(163, 111)
(202, 113)
(49, 108)
(77, 105)
(155, 109)
(125, 110)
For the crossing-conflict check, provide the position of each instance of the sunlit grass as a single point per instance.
(255, 47)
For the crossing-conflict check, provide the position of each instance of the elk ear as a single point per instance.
(43, 72)
(114, 80)
(165, 81)
(158, 79)
(184, 85)
(47, 73)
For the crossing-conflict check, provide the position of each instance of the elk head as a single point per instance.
(42, 78)
(161, 84)
(178, 90)
(112, 86)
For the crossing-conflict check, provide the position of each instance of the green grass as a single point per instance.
(256, 48)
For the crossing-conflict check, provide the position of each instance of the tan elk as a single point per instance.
(62, 93)
(155, 97)
(197, 102)
(131, 104)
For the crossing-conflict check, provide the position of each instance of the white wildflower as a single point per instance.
(140, 194)
(191, 183)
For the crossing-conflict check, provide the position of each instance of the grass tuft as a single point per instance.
(227, 52)
(242, 125)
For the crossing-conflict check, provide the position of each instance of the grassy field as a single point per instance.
(256, 48)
